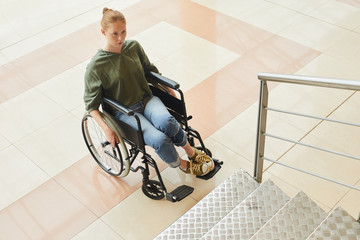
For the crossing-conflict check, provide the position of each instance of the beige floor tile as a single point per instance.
(355, 98)
(290, 190)
(55, 146)
(97, 230)
(48, 212)
(322, 163)
(232, 162)
(194, 17)
(97, 190)
(239, 135)
(11, 37)
(237, 36)
(330, 67)
(323, 206)
(209, 58)
(163, 39)
(79, 111)
(308, 100)
(338, 13)
(313, 33)
(303, 6)
(19, 175)
(67, 88)
(39, 10)
(40, 39)
(275, 148)
(270, 17)
(11, 84)
(3, 58)
(357, 30)
(243, 142)
(40, 131)
(26, 113)
(184, 78)
(232, 8)
(347, 49)
(138, 217)
(345, 137)
(350, 202)
(75, 15)
(3, 142)
(353, 3)
(286, 187)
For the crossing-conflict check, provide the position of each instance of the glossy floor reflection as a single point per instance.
(50, 186)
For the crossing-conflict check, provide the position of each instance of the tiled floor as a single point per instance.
(50, 186)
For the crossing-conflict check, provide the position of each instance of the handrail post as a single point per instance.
(261, 129)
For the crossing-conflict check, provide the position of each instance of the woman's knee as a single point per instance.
(158, 140)
(168, 125)
(164, 148)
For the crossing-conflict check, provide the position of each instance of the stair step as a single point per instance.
(296, 220)
(338, 225)
(212, 208)
(251, 214)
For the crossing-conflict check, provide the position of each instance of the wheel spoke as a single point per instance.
(109, 158)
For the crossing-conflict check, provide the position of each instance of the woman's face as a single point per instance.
(115, 35)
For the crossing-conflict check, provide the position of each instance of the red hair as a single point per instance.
(111, 16)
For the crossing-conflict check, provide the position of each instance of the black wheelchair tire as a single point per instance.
(153, 189)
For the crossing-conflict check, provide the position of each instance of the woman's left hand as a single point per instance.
(170, 91)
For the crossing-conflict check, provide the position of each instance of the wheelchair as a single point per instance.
(119, 161)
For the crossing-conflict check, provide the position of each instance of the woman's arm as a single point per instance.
(110, 135)
(170, 91)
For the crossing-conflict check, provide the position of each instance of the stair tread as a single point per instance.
(252, 213)
(212, 208)
(296, 220)
(338, 225)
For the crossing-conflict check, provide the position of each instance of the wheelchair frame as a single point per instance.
(134, 138)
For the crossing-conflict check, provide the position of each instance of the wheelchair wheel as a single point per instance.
(114, 161)
(153, 189)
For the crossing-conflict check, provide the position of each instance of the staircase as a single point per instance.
(240, 208)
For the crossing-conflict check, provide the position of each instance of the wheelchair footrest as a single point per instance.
(213, 172)
(179, 193)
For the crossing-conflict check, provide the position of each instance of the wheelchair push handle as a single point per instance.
(118, 106)
(163, 80)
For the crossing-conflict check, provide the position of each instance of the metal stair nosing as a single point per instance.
(212, 208)
(251, 214)
(338, 225)
(296, 220)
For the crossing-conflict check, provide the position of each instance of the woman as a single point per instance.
(118, 71)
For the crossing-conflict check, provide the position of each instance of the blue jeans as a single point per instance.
(160, 129)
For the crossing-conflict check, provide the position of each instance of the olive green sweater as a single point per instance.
(120, 76)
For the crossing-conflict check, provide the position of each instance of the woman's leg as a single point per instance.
(156, 112)
(154, 138)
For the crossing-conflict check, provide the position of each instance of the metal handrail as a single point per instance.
(314, 117)
(311, 81)
(262, 115)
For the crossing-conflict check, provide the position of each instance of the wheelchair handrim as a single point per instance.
(113, 161)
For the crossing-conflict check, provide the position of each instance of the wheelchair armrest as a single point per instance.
(163, 80)
(118, 106)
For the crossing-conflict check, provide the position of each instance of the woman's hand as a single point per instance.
(109, 133)
(111, 136)
(170, 91)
